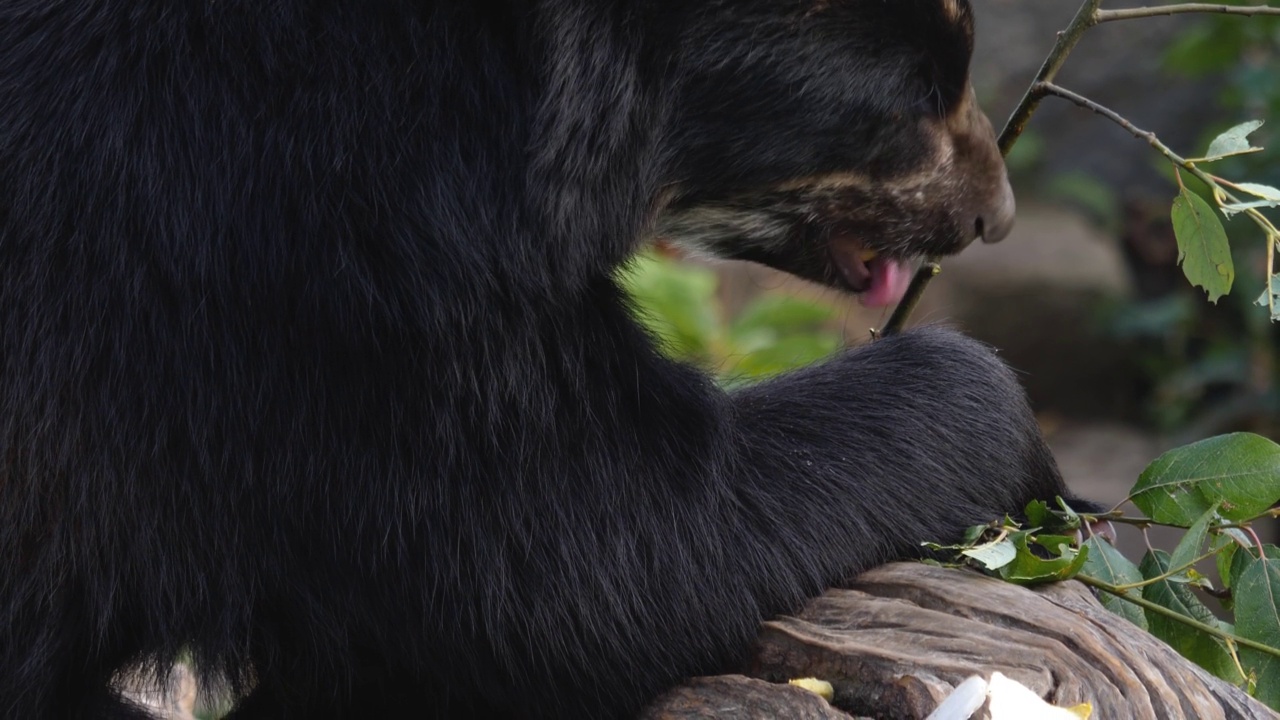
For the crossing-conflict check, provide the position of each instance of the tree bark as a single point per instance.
(896, 640)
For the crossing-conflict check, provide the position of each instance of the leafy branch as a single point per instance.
(1170, 574)
(1209, 230)
(1091, 14)
(1123, 594)
(1213, 489)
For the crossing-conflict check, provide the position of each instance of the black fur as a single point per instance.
(313, 364)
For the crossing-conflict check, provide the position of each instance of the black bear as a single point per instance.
(315, 370)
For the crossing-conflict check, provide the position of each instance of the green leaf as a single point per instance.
(676, 303)
(1228, 542)
(1037, 512)
(786, 353)
(993, 556)
(1042, 517)
(1270, 298)
(1230, 210)
(1105, 563)
(974, 533)
(1242, 470)
(1266, 192)
(1203, 250)
(1194, 539)
(1028, 568)
(776, 333)
(1196, 579)
(1203, 649)
(781, 313)
(1059, 544)
(1257, 605)
(1248, 555)
(1071, 519)
(1270, 198)
(1233, 142)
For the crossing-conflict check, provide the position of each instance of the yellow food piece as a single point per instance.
(821, 688)
(867, 255)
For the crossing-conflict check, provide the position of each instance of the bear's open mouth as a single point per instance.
(878, 280)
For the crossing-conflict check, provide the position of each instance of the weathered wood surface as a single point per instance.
(899, 638)
(735, 696)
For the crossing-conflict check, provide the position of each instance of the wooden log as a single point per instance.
(735, 696)
(898, 639)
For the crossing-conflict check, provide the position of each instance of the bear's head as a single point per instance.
(832, 139)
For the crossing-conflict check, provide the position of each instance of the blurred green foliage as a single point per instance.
(1244, 58)
(1215, 366)
(680, 305)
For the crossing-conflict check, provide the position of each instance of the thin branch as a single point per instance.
(1048, 88)
(1090, 15)
(1085, 18)
(915, 291)
(1067, 40)
(1220, 195)
(1102, 16)
(1174, 615)
(1172, 572)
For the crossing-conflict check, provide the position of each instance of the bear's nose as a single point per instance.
(994, 224)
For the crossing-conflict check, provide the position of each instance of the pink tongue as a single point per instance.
(889, 281)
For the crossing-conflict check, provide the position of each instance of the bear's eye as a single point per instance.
(939, 95)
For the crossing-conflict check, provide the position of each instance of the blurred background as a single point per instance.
(1123, 359)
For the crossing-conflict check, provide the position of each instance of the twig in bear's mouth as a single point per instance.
(1084, 19)
(928, 271)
